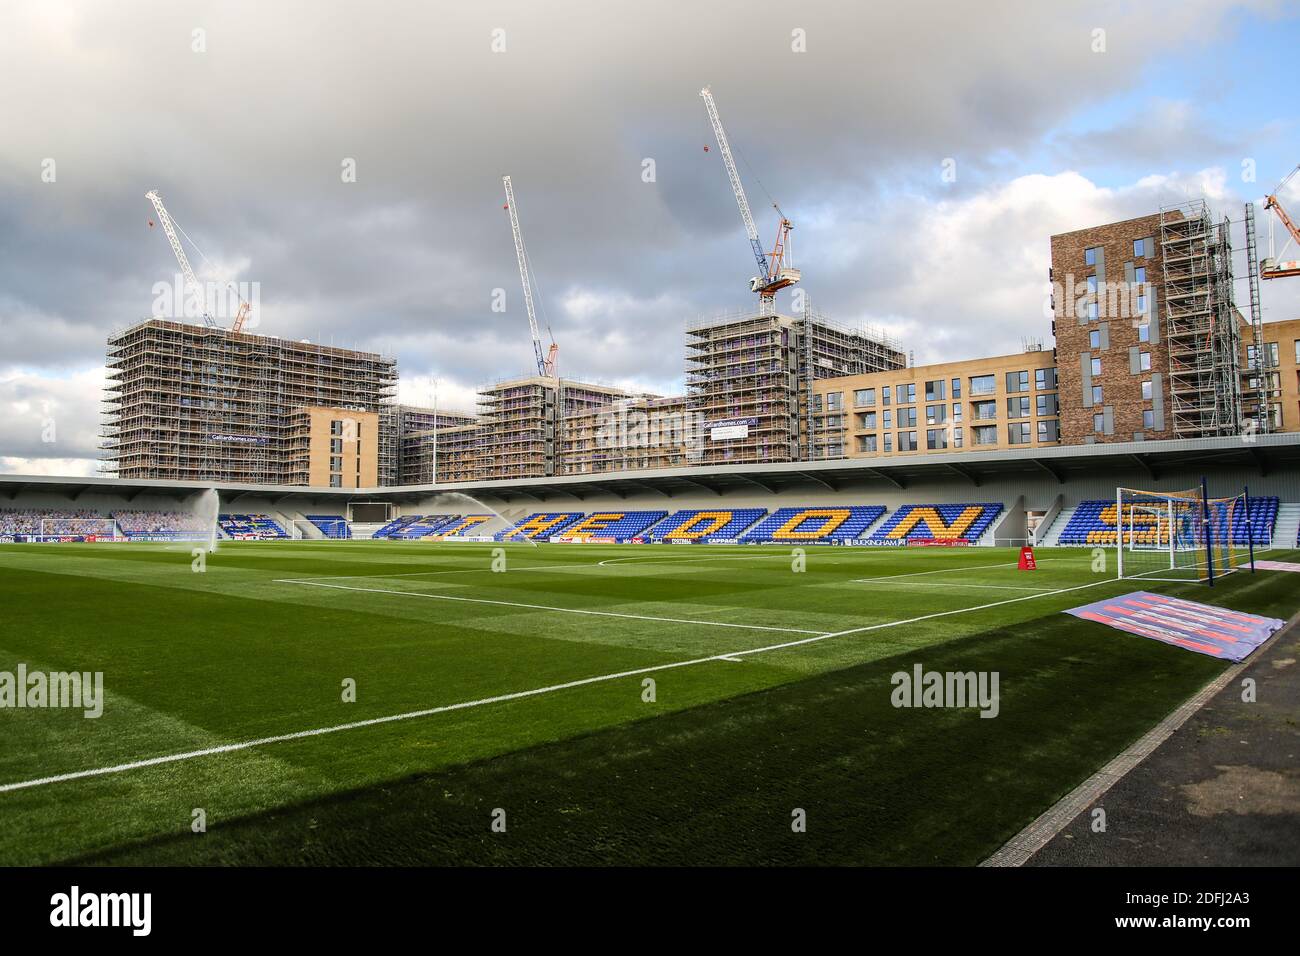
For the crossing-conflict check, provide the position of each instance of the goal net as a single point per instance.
(1179, 535)
(78, 529)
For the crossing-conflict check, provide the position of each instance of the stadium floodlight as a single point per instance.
(1180, 535)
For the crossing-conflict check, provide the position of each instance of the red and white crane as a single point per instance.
(1271, 268)
(775, 270)
(545, 363)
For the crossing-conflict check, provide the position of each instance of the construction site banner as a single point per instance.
(730, 428)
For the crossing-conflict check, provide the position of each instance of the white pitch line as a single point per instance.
(546, 607)
(413, 574)
(949, 584)
(501, 698)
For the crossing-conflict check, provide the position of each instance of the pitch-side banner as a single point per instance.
(1203, 628)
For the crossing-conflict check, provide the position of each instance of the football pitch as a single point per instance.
(359, 702)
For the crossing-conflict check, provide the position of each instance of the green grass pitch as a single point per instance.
(772, 694)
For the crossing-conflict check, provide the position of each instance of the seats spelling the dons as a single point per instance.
(615, 525)
(251, 526)
(332, 526)
(422, 527)
(815, 524)
(466, 526)
(543, 524)
(957, 522)
(1093, 522)
(397, 524)
(719, 524)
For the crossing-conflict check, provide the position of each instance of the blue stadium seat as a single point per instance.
(540, 525)
(795, 525)
(940, 522)
(332, 526)
(703, 525)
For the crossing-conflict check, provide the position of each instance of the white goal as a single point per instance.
(78, 529)
(1179, 535)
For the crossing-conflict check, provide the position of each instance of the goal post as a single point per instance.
(1181, 535)
(78, 529)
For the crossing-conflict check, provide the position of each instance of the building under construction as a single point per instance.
(749, 378)
(187, 402)
(1202, 325)
(630, 434)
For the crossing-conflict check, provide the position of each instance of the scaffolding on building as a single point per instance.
(185, 402)
(1258, 397)
(1201, 323)
(753, 371)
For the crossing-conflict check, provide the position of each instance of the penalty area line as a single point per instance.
(730, 657)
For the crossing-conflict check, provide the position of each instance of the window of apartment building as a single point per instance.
(1096, 366)
(864, 397)
(1018, 407)
(834, 401)
(907, 417)
(1140, 275)
(985, 434)
(956, 411)
(1048, 405)
(1140, 308)
(985, 410)
(1018, 433)
(907, 441)
(956, 438)
(1142, 247)
(1144, 361)
(906, 393)
(833, 421)
(889, 442)
(1045, 378)
(1098, 422)
(1297, 351)
(1090, 255)
(936, 438)
(889, 418)
(983, 385)
(934, 391)
(336, 446)
(956, 382)
(1144, 332)
(1091, 284)
(336, 427)
(1270, 354)
(336, 481)
(1094, 339)
(1148, 419)
(1049, 431)
(1093, 312)
(867, 443)
(1018, 381)
(936, 414)
(867, 420)
(1146, 391)
(1096, 395)
(884, 395)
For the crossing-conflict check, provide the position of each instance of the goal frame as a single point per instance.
(110, 533)
(1200, 499)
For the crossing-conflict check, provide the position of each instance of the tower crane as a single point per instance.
(775, 270)
(1270, 268)
(191, 281)
(545, 363)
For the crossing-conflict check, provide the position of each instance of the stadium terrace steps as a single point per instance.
(332, 526)
(250, 526)
(1062, 521)
(939, 522)
(810, 524)
(1286, 532)
(707, 524)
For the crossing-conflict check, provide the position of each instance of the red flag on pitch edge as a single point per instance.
(1027, 562)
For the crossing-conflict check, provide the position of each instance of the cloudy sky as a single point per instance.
(247, 117)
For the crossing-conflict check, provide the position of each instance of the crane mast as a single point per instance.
(191, 281)
(774, 269)
(1270, 268)
(545, 363)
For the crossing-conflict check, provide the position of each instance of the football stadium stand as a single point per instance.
(251, 527)
(614, 525)
(50, 521)
(719, 524)
(463, 527)
(422, 526)
(543, 524)
(1093, 522)
(397, 524)
(332, 526)
(159, 524)
(811, 525)
(937, 522)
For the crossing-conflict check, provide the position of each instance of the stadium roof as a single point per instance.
(1259, 454)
